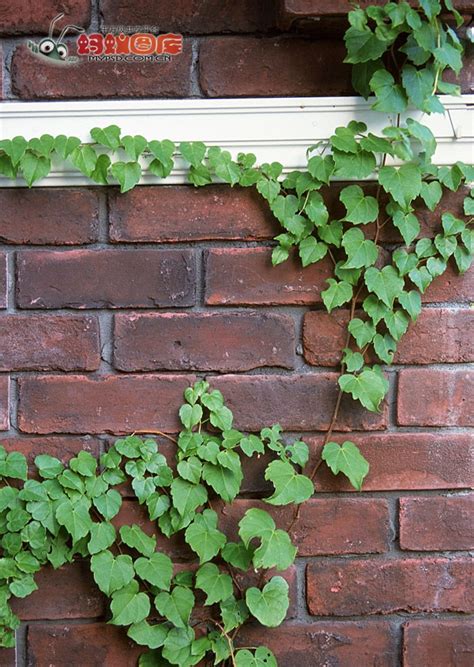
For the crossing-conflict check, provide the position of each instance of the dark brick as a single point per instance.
(3, 280)
(24, 17)
(105, 278)
(438, 643)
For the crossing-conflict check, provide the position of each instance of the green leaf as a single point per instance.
(290, 487)
(65, 145)
(193, 152)
(84, 158)
(316, 209)
(190, 469)
(107, 136)
(84, 464)
(397, 323)
(111, 574)
(350, 166)
(129, 605)
(276, 549)
(152, 636)
(338, 293)
(331, 233)
(251, 445)
(101, 170)
(224, 480)
(157, 505)
(156, 570)
(436, 266)
(449, 56)
(384, 346)
(446, 245)
(385, 283)
(221, 418)
(411, 302)
(177, 647)
(34, 167)
(421, 278)
(269, 189)
(360, 252)
(407, 224)
(102, 536)
(418, 84)
(237, 554)
(353, 361)
(404, 261)
(311, 251)
(431, 194)
(216, 585)
(190, 415)
(344, 140)
(369, 388)
(403, 183)
(134, 537)
(463, 258)
(186, 496)
(203, 537)
(163, 152)
(14, 466)
(269, 605)
(234, 613)
(360, 209)
(362, 45)
(361, 75)
(134, 146)
(127, 174)
(176, 606)
(108, 504)
(299, 453)
(346, 458)
(23, 586)
(452, 225)
(262, 657)
(321, 168)
(75, 517)
(390, 96)
(362, 332)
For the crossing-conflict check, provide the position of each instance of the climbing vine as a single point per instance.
(400, 55)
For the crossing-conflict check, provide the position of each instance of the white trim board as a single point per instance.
(275, 129)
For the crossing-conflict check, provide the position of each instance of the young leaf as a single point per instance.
(385, 283)
(215, 584)
(127, 174)
(107, 136)
(262, 657)
(269, 605)
(360, 209)
(203, 537)
(369, 388)
(129, 605)
(276, 549)
(402, 183)
(290, 487)
(157, 570)
(111, 574)
(176, 606)
(346, 458)
(134, 537)
(336, 294)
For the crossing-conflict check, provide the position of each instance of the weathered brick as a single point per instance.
(451, 287)
(437, 523)
(378, 586)
(3, 280)
(7, 657)
(245, 276)
(100, 79)
(203, 341)
(277, 66)
(185, 213)
(35, 217)
(342, 644)
(195, 17)
(435, 397)
(4, 400)
(297, 402)
(324, 337)
(116, 404)
(91, 644)
(324, 526)
(438, 643)
(404, 461)
(105, 278)
(69, 592)
(62, 447)
(23, 17)
(37, 342)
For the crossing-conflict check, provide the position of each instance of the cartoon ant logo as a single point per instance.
(56, 50)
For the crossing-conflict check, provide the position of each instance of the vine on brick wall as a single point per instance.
(400, 55)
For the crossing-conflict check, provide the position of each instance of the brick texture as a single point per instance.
(437, 524)
(3, 280)
(62, 447)
(176, 214)
(4, 395)
(114, 278)
(438, 643)
(211, 341)
(22, 16)
(362, 587)
(34, 217)
(32, 342)
(436, 398)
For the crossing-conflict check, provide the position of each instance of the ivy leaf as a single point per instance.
(102, 536)
(190, 469)
(361, 75)
(346, 458)
(84, 158)
(65, 145)
(311, 251)
(251, 445)
(101, 170)
(163, 152)
(23, 586)
(338, 293)
(203, 537)
(360, 252)
(128, 605)
(344, 140)
(321, 168)
(397, 323)
(446, 245)
(108, 504)
(276, 549)
(190, 415)
(262, 657)
(390, 96)
(384, 283)
(111, 574)
(127, 174)
(269, 605)
(224, 480)
(331, 233)
(14, 466)
(402, 183)
(411, 302)
(186, 496)
(237, 554)
(157, 570)
(452, 225)
(290, 487)
(362, 45)
(407, 224)
(404, 261)
(384, 346)
(177, 647)
(350, 166)
(152, 636)
(448, 56)
(360, 209)
(362, 332)
(84, 464)
(75, 517)
(134, 537)
(107, 136)
(134, 146)
(418, 84)
(216, 585)
(298, 452)
(193, 152)
(421, 277)
(34, 167)
(176, 606)
(436, 266)
(234, 613)
(369, 388)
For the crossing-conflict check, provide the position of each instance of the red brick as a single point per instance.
(195, 16)
(404, 461)
(245, 276)
(435, 398)
(203, 341)
(325, 526)
(7, 657)
(338, 643)
(37, 342)
(69, 592)
(297, 402)
(277, 66)
(116, 404)
(451, 287)
(438, 643)
(99, 79)
(23, 17)
(105, 278)
(437, 523)
(3, 280)
(378, 586)
(62, 448)
(185, 213)
(35, 217)
(4, 394)
(324, 337)
(92, 644)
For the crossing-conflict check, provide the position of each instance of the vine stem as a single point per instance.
(163, 435)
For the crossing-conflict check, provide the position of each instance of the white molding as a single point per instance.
(278, 129)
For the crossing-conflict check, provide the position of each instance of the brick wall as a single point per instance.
(111, 305)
